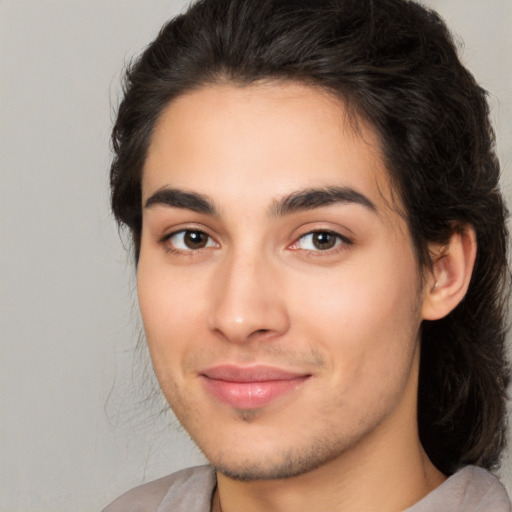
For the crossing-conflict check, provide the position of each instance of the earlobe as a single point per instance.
(449, 279)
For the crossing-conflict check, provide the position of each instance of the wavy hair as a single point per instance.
(394, 64)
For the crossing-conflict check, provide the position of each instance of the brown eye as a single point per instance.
(324, 240)
(190, 240)
(320, 241)
(195, 239)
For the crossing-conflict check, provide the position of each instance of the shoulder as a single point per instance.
(188, 490)
(484, 491)
(471, 489)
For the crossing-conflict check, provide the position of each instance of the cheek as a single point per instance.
(365, 321)
(170, 305)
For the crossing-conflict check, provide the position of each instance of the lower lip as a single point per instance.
(251, 395)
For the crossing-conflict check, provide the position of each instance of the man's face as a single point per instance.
(278, 285)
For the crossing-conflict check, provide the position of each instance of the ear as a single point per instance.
(448, 281)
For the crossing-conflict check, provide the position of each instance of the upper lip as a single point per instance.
(256, 373)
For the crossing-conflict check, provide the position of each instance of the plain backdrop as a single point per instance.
(78, 420)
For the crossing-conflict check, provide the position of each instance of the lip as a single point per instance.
(250, 387)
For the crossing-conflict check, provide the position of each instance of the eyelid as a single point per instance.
(165, 240)
(342, 241)
(183, 226)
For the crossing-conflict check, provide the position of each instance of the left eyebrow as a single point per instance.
(310, 199)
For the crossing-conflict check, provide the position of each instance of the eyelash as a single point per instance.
(341, 242)
(165, 241)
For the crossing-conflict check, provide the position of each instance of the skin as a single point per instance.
(259, 291)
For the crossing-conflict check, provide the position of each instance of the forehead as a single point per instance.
(263, 140)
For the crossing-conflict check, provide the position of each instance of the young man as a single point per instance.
(320, 244)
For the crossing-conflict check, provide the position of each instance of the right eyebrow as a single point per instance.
(176, 198)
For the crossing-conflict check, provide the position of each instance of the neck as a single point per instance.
(378, 487)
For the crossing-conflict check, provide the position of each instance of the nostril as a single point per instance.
(259, 334)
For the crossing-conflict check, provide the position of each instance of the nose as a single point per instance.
(247, 300)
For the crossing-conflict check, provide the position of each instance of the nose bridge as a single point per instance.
(246, 297)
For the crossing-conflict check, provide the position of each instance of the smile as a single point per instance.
(250, 387)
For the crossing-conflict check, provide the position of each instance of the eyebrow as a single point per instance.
(180, 199)
(310, 199)
(307, 199)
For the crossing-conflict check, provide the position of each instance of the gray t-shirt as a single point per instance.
(471, 489)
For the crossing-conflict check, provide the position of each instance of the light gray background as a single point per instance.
(74, 430)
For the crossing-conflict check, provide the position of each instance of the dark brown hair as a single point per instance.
(394, 64)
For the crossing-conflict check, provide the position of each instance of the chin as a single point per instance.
(276, 466)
